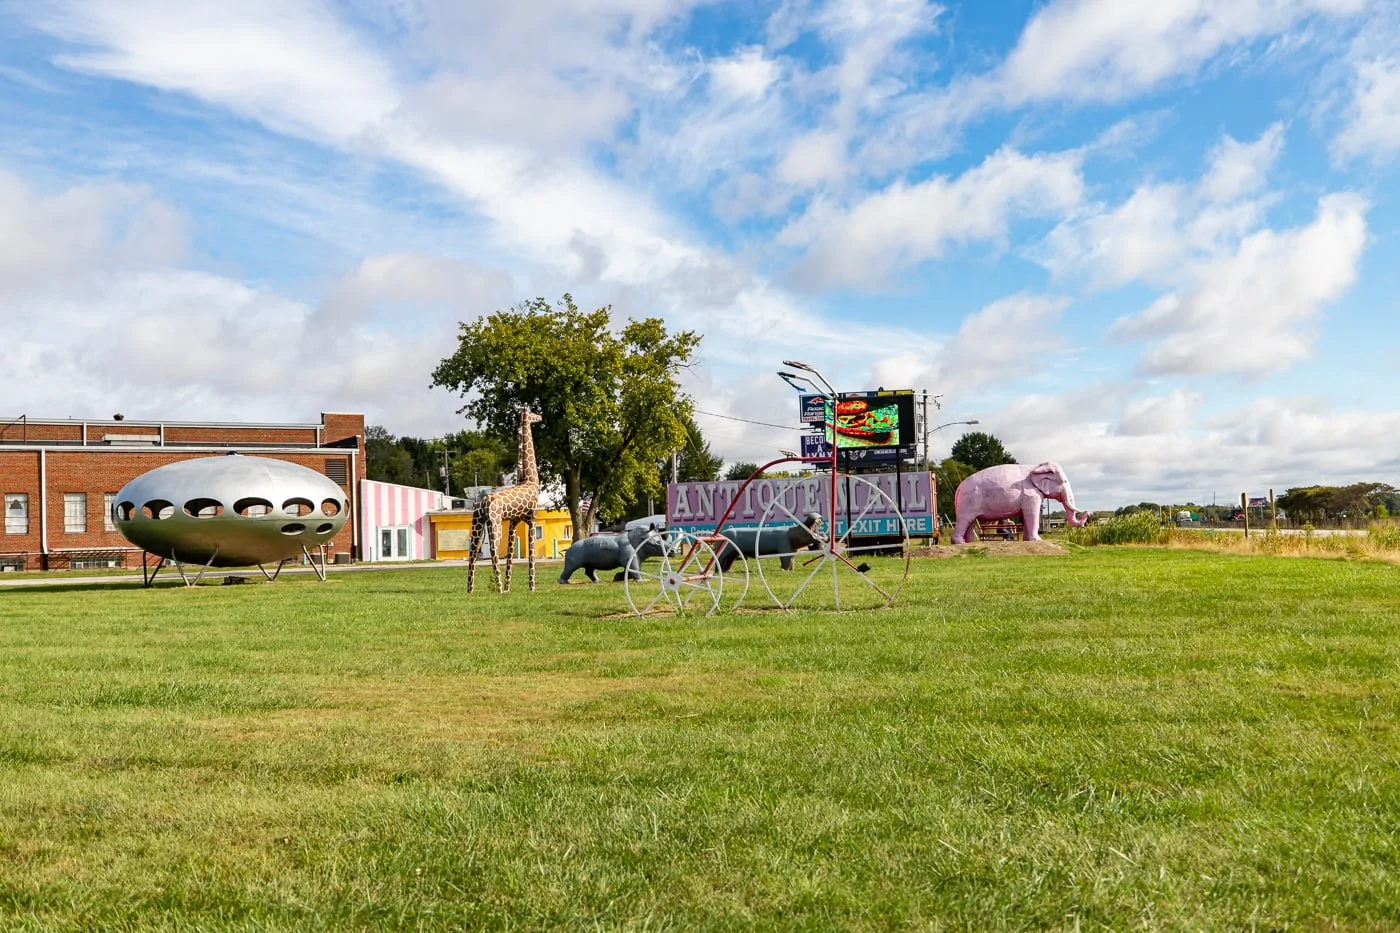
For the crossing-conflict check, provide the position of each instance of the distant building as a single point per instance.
(452, 531)
(394, 521)
(59, 477)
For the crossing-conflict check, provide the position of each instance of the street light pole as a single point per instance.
(940, 428)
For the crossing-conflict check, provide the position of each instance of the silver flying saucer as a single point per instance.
(230, 511)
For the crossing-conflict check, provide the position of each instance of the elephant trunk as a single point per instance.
(1071, 516)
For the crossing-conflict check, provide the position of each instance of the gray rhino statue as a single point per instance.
(609, 552)
(773, 541)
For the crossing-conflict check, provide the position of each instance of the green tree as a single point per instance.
(385, 460)
(611, 401)
(948, 475)
(980, 450)
(740, 471)
(478, 458)
(698, 464)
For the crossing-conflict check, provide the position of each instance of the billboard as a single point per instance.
(864, 420)
(811, 409)
(698, 507)
(815, 445)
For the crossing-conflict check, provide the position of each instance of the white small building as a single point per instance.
(394, 521)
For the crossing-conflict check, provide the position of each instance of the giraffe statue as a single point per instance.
(509, 504)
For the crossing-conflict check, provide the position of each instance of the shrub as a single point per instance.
(1137, 528)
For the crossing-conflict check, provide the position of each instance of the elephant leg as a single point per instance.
(591, 574)
(1030, 523)
(960, 533)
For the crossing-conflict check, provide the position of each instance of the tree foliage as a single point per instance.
(740, 471)
(1357, 500)
(947, 476)
(698, 464)
(473, 458)
(611, 402)
(980, 450)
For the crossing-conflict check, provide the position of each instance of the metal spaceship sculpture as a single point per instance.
(231, 511)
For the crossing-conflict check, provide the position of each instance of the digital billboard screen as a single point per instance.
(871, 420)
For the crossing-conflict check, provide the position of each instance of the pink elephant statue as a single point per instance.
(1009, 490)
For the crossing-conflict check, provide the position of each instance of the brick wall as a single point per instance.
(94, 471)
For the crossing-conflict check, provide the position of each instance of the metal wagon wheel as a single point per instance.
(872, 582)
(688, 579)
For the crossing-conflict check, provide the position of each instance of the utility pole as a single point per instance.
(925, 403)
(676, 467)
(446, 477)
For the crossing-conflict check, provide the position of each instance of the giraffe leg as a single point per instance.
(510, 552)
(472, 547)
(530, 549)
(495, 557)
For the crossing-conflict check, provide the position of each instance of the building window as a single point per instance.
(109, 501)
(16, 513)
(74, 512)
(568, 532)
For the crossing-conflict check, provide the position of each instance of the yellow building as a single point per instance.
(452, 535)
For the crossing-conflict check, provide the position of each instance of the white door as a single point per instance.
(394, 543)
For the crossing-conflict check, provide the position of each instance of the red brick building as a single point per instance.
(59, 477)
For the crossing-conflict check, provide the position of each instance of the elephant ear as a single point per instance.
(1047, 478)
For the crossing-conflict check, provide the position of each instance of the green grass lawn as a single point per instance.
(1116, 738)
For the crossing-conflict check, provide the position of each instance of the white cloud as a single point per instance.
(1254, 310)
(1160, 226)
(1119, 449)
(1089, 51)
(1160, 414)
(907, 224)
(81, 231)
(1109, 50)
(815, 157)
(287, 63)
(1373, 118)
(1006, 338)
(535, 109)
(746, 74)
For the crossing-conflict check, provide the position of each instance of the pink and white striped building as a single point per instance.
(394, 521)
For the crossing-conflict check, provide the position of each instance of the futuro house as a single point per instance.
(230, 511)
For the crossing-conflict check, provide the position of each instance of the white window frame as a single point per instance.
(398, 535)
(16, 519)
(109, 503)
(75, 513)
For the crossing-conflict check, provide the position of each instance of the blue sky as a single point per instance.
(1158, 244)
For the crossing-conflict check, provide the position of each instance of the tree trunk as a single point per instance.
(571, 499)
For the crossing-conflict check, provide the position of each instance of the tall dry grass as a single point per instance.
(1380, 542)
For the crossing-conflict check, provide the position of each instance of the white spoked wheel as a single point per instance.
(834, 571)
(686, 578)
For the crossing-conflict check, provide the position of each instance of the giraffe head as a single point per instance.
(528, 417)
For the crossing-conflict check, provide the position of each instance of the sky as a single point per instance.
(1157, 243)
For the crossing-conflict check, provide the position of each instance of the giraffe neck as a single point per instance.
(527, 472)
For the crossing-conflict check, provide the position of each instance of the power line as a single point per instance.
(764, 424)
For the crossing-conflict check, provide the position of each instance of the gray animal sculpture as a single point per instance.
(774, 541)
(609, 552)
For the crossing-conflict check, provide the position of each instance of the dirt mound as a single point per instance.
(993, 549)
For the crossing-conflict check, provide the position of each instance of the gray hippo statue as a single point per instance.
(774, 541)
(608, 552)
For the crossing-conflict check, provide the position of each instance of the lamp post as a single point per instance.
(939, 428)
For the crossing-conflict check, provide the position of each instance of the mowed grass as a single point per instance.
(1113, 739)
